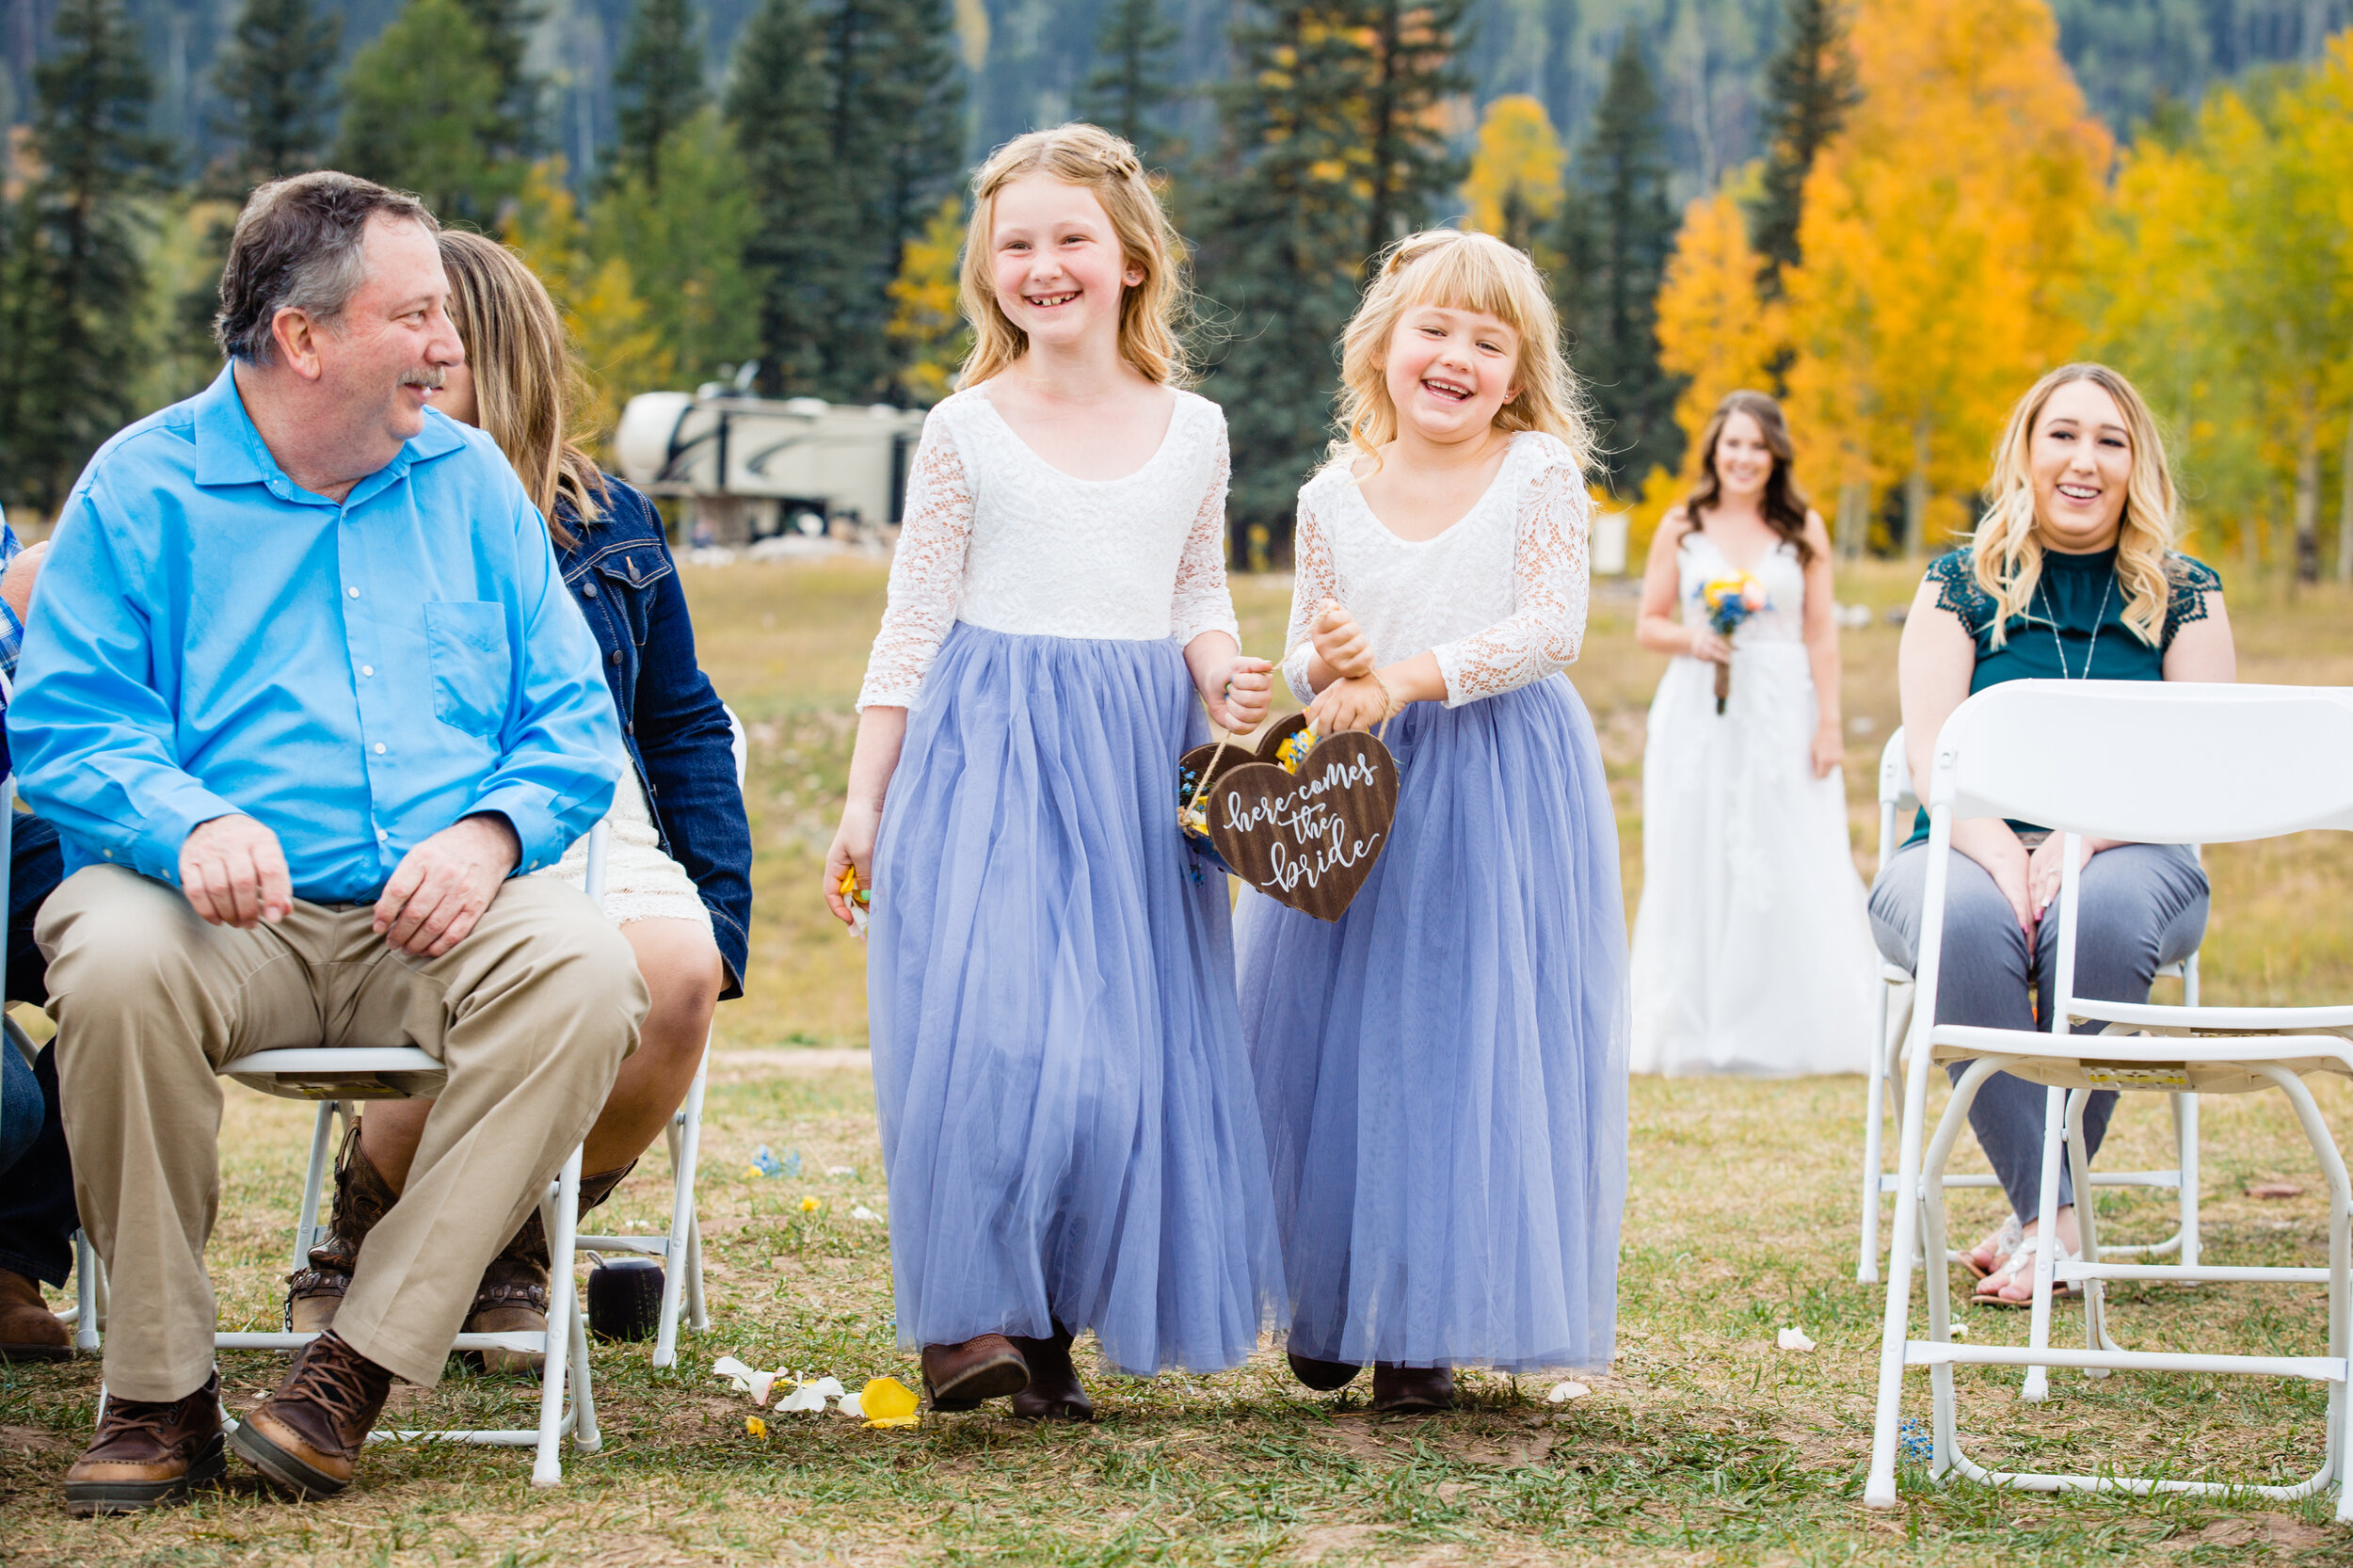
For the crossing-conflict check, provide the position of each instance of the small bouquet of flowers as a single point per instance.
(1728, 601)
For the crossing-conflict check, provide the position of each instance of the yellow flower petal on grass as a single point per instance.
(888, 1403)
(810, 1206)
(755, 1427)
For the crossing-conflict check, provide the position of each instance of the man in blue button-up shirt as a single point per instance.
(302, 690)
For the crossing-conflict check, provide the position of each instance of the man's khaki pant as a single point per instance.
(532, 1013)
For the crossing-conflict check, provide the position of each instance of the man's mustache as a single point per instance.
(431, 379)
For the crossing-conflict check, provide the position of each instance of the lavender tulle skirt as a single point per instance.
(1067, 1116)
(1442, 1072)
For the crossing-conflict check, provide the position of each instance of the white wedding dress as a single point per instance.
(1753, 952)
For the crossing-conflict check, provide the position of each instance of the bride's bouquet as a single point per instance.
(1728, 601)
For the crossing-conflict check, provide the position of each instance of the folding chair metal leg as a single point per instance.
(90, 1294)
(682, 1251)
(1874, 1156)
(547, 1467)
(313, 1183)
(2037, 1387)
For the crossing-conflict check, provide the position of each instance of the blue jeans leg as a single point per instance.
(2140, 906)
(36, 1211)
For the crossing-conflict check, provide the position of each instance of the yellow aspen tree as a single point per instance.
(1515, 184)
(923, 314)
(602, 310)
(1943, 237)
(1713, 329)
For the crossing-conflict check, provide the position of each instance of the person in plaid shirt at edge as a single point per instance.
(36, 1215)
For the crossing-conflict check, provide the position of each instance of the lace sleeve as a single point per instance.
(1312, 583)
(1551, 580)
(1202, 601)
(2188, 581)
(926, 574)
(1956, 579)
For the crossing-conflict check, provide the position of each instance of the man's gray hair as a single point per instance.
(298, 246)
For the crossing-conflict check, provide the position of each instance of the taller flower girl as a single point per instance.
(1066, 1108)
(1443, 1071)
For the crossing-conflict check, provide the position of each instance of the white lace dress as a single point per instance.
(1441, 1072)
(1752, 950)
(1066, 1107)
(641, 883)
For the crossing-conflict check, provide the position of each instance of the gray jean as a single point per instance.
(2140, 906)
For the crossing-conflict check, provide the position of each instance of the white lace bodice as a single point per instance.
(1501, 597)
(997, 537)
(1698, 559)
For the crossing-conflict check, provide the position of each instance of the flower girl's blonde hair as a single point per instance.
(2006, 557)
(1081, 154)
(1463, 271)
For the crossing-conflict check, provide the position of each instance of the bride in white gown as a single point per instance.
(1753, 952)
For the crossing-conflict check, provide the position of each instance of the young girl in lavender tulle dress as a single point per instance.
(1067, 1121)
(1443, 1071)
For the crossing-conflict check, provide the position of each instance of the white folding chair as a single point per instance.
(2238, 763)
(338, 1078)
(1885, 1096)
(681, 1247)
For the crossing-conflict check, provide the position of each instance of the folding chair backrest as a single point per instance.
(2151, 762)
(1895, 776)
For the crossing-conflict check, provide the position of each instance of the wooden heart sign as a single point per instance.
(1309, 839)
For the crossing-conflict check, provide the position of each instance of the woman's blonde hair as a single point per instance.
(1089, 156)
(1463, 271)
(2006, 553)
(526, 378)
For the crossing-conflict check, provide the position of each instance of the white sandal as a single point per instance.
(2004, 1242)
(2019, 1269)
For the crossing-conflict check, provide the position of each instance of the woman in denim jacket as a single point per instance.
(678, 862)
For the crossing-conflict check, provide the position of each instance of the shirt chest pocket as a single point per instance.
(466, 645)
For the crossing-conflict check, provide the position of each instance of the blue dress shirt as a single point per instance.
(209, 638)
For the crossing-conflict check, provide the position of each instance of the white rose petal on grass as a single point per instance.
(1793, 1339)
(839, 1170)
(862, 1212)
(746, 1380)
(804, 1396)
(851, 1407)
(1563, 1392)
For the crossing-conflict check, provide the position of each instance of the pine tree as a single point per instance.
(1809, 87)
(1615, 233)
(775, 105)
(1131, 82)
(420, 113)
(76, 250)
(1334, 147)
(659, 84)
(849, 118)
(278, 77)
(684, 242)
(515, 101)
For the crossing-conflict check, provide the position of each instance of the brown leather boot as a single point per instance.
(986, 1366)
(28, 1330)
(1054, 1393)
(146, 1452)
(307, 1436)
(513, 1295)
(362, 1196)
(1406, 1389)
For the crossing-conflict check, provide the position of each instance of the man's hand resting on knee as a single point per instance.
(441, 887)
(235, 873)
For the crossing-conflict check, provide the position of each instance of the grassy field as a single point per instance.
(1701, 1443)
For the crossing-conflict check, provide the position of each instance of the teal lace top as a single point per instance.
(2073, 628)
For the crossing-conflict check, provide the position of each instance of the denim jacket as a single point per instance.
(621, 576)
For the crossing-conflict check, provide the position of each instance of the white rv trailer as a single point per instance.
(755, 466)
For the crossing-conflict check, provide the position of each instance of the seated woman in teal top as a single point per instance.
(2070, 575)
